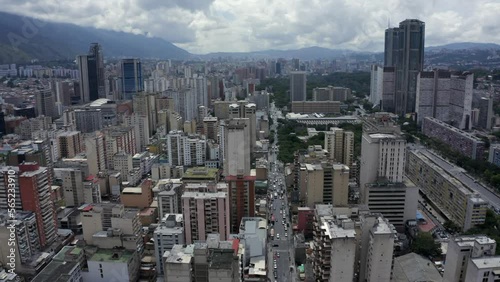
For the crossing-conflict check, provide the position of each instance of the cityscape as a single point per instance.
(296, 164)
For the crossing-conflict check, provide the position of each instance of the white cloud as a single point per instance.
(202, 26)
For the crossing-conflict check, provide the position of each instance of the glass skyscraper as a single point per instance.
(404, 51)
(132, 81)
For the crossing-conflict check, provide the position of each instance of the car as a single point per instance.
(286, 234)
(278, 236)
(275, 266)
(277, 254)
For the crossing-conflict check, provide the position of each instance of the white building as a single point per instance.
(170, 232)
(461, 250)
(483, 269)
(340, 145)
(186, 150)
(376, 84)
(112, 265)
(380, 251)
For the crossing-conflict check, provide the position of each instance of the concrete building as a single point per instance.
(138, 197)
(460, 257)
(445, 97)
(94, 150)
(168, 193)
(382, 155)
(485, 113)
(26, 236)
(397, 202)
(413, 267)
(185, 150)
(112, 265)
(325, 183)
(45, 103)
(88, 119)
(388, 89)
(72, 186)
(340, 145)
(320, 107)
(35, 188)
(494, 154)
(178, 264)
(456, 201)
(245, 110)
(118, 139)
(210, 126)
(459, 140)
(483, 269)
(331, 93)
(140, 123)
(109, 225)
(376, 84)
(9, 179)
(200, 175)
(345, 236)
(170, 232)
(66, 265)
(205, 213)
(241, 198)
(70, 143)
(237, 147)
(27, 127)
(298, 84)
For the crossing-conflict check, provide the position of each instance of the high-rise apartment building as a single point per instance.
(94, 150)
(340, 145)
(91, 69)
(45, 103)
(237, 147)
(298, 86)
(132, 82)
(70, 143)
(404, 50)
(241, 197)
(445, 97)
(243, 109)
(376, 84)
(88, 119)
(185, 150)
(382, 156)
(170, 232)
(485, 113)
(210, 127)
(205, 213)
(118, 139)
(34, 185)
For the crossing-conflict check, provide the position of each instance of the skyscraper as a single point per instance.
(404, 50)
(91, 67)
(45, 103)
(132, 81)
(297, 86)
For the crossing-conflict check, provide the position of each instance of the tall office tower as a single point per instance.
(485, 113)
(382, 150)
(340, 145)
(205, 213)
(404, 50)
(376, 84)
(132, 81)
(88, 119)
(70, 143)
(200, 86)
(170, 232)
(91, 69)
(34, 185)
(96, 52)
(461, 251)
(388, 89)
(242, 198)
(94, 150)
(237, 147)
(145, 105)
(296, 64)
(445, 97)
(45, 103)
(298, 83)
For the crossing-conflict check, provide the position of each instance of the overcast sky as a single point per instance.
(202, 26)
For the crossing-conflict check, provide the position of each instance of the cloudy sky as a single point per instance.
(202, 26)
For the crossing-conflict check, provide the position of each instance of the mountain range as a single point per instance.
(24, 39)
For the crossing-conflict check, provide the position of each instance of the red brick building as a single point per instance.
(242, 199)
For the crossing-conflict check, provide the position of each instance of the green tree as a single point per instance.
(451, 226)
(425, 245)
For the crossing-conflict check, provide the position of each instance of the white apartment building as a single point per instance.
(463, 249)
(483, 269)
(340, 145)
(185, 150)
(170, 232)
(112, 265)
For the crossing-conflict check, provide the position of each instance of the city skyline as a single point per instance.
(199, 26)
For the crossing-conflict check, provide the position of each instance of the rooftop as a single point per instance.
(414, 267)
(200, 172)
(132, 190)
(487, 262)
(221, 258)
(56, 271)
(108, 255)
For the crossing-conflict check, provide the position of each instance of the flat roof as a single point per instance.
(121, 256)
(200, 172)
(132, 190)
(487, 262)
(414, 267)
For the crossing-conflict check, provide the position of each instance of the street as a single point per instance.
(280, 235)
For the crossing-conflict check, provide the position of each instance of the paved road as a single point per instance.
(281, 251)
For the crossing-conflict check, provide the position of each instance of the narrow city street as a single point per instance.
(280, 230)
